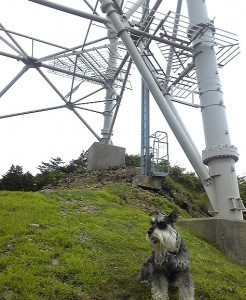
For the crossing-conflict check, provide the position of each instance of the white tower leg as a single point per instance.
(220, 156)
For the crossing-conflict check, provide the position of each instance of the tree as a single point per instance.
(54, 164)
(16, 180)
(51, 172)
(55, 171)
(78, 165)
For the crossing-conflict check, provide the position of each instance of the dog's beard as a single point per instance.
(163, 239)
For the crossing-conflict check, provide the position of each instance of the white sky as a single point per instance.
(28, 140)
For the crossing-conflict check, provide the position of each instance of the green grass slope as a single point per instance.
(90, 244)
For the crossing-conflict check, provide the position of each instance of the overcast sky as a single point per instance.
(28, 140)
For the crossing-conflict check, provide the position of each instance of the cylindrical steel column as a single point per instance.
(145, 147)
(110, 96)
(220, 156)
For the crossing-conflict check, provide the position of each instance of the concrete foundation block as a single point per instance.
(101, 156)
(148, 182)
(228, 235)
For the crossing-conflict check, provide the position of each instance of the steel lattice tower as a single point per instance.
(178, 58)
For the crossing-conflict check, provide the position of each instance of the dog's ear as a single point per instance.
(173, 216)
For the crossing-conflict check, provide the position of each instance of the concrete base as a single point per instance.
(101, 156)
(228, 235)
(148, 182)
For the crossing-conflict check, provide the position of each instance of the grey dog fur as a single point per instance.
(164, 268)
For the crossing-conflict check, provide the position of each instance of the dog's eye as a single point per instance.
(152, 222)
(162, 225)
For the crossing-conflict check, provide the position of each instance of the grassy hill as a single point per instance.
(90, 244)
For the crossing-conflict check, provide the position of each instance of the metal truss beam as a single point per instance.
(184, 44)
(72, 11)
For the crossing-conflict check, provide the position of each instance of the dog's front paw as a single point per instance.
(144, 277)
(144, 281)
(146, 272)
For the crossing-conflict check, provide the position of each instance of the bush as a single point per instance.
(188, 180)
(132, 160)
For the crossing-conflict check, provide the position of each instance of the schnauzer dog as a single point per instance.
(168, 266)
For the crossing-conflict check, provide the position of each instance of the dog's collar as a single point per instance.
(178, 243)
